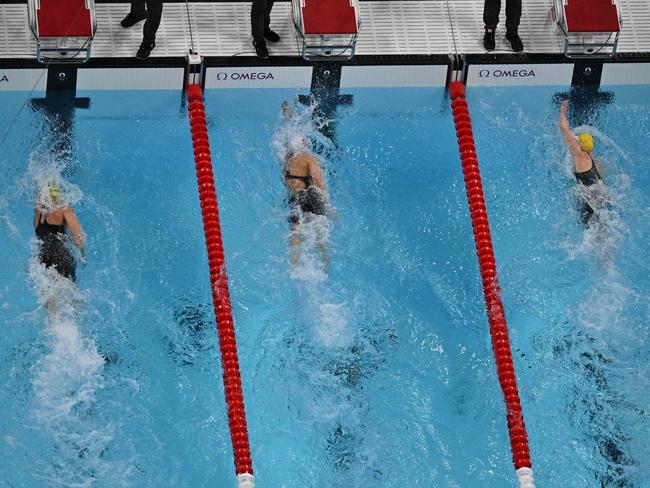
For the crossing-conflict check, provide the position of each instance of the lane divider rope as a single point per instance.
(487, 265)
(219, 286)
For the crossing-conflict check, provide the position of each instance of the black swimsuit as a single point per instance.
(53, 249)
(308, 200)
(587, 178)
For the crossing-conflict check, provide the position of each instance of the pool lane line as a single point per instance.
(219, 286)
(494, 306)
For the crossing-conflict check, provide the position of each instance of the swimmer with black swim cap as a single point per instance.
(584, 165)
(305, 183)
(52, 216)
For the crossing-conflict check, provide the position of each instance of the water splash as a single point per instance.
(67, 378)
(43, 172)
(605, 343)
(65, 382)
(606, 228)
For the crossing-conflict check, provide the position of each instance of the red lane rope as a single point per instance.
(487, 265)
(219, 282)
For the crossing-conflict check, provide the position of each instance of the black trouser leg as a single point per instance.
(513, 15)
(260, 18)
(267, 18)
(138, 8)
(154, 14)
(491, 10)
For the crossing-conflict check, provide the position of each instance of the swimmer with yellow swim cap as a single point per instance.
(52, 217)
(55, 192)
(584, 165)
(586, 142)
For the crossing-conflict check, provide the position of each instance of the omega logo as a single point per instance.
(222, 76)
(506, 73)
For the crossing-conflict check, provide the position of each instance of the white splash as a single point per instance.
(44, 173)
(606, 229)
(310, 249)
(67, 378)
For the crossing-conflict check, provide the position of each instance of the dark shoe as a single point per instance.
(130, 20)
(515, 41)
(145, 50)
(271, 36)
(260, 49)
(488, 39)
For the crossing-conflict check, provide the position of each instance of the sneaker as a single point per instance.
(270, 35)
(260, 49)
(130, 20)
(488, 39)
(515, 41)
(145, 50)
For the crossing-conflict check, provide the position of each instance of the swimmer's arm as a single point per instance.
(36, 216)
(75, 228)
(574, 145)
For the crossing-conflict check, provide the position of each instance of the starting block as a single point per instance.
(328, 29)
(64, 29)
(590, 28)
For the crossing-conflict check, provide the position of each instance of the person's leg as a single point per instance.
(258, 22)
(268, 33)
(258, 19)
(154, 14)
(491, 10)
(138, 8)
(137, 14)
(267, 14)
(513, 15)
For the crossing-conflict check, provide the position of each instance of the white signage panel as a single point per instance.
(130, 78)
(625, 74)
(23, 79)
(394, 76)
(259, 77)
(519, 74)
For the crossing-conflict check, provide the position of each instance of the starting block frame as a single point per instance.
(585, 43)
(330, 46)
(63, 44)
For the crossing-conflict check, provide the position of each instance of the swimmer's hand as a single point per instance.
(287, 112)
(564, 106)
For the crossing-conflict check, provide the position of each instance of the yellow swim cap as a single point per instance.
(586, 141)
(55, 192)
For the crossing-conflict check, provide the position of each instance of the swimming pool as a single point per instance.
(577, 298)
(377, 373)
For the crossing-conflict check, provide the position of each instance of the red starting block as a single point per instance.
(328, 28)
(63, 29)
(591, 28)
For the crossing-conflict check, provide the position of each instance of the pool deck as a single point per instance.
(406, 27)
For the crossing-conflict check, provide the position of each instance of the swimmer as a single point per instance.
(51, 218)
(305, 183)
(585, 167)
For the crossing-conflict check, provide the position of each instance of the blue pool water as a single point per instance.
(377, 373)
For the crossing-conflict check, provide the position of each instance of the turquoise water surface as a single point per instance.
(374, 371)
